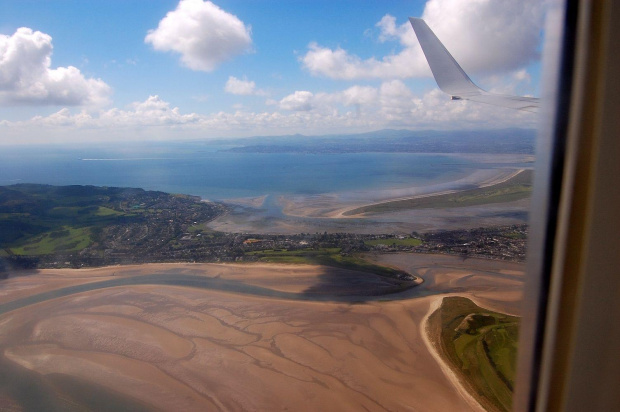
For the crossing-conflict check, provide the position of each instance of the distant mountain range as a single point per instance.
(514, 140)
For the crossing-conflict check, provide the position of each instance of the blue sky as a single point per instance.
(128, 69)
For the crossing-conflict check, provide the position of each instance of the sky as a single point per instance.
(119, 70)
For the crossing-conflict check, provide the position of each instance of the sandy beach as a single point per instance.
(182, 348)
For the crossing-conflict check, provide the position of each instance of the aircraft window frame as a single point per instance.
(565, 363)
(550, 151)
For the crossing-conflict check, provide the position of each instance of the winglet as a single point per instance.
(450, 77)
(453, 80)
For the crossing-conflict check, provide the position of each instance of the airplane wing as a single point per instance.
(453, 80)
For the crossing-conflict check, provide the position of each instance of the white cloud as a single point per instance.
(298, 101)
(488, 36)
(339, 64)
(355, 109)
(202, 33)
(242, 87)
(152, 112)
(393, 104)
(26, 77)
(483, 36)
(522, 75)
(358, 95)
(396, 100)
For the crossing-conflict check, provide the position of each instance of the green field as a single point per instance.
(326, 257)
(516, 188)
(63, 239)
(481, 345)
(41, 220)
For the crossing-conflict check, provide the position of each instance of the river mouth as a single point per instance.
(367, 287)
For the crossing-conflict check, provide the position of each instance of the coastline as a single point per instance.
(328, 212)
(336, 205)
(435, 350)
(451, 372)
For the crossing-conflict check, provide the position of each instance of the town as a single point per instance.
(91, 226)
(132, 244)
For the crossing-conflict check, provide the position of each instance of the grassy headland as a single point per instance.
(481, 346)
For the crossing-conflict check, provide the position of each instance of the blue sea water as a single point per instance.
(212, 173)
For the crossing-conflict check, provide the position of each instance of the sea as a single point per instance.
(211, 172)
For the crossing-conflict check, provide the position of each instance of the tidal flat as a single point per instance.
(164, 346)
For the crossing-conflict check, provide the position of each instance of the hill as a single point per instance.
(92, 222)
